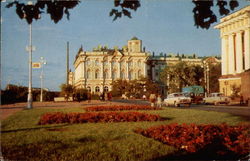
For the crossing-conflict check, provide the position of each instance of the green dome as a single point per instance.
(134, 38)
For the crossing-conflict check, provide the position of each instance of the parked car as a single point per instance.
(177, 99)
(216, 98)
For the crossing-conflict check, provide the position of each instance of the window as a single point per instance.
(130, 75)
(97, 63)
(105, 63)
(114, 75)
(139, 73)
(122, 75)
(88, 74)
(97, 74)
(89, 89)
(97, 89)
(139, 63)
(88, 62)
(106, 74)
(106, 89)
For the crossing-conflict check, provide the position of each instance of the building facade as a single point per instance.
(97, 70)
(235, 50)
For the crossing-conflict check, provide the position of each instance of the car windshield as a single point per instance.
(178, 95)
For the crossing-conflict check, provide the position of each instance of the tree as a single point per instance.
(134, 88)
(66, 90)
(180, 75)
(204, 16)
(214, 75)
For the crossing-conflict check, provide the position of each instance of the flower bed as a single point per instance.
(223, 139)
(121, 108)
(93, 117)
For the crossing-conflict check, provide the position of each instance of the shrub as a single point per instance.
(192, 138)
(120, 108)
(59, 117)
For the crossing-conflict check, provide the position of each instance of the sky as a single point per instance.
(163, 26)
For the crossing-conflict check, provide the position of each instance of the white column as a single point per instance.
(231, 69)
(224, 67)
(239, 59)
(247, 48)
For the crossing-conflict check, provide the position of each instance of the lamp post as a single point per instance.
(206, 77)
(43, 62)
(30, 49)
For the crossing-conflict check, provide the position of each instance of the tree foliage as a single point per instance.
(55, 8)
(180, 75)
(214, 75)
(66, 90)
(134, 88)
(204, 16)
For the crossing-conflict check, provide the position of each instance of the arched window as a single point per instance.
(88, 74)
(97, 74)
(106, 89)
(114, 74)
(122, 74)
(139, 63)
(97, 89)
(97, 62)
(130, 75)
(139, 73)
(88, 62)
(89, 89)
(105, 74)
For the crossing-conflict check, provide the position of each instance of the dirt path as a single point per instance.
(10, 109)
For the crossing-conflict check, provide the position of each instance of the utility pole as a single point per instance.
(67, 64)
(43, 62)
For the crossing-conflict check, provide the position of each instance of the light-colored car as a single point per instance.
(216, 98)
(177, 99)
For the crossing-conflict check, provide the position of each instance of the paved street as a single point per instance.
(243, 111)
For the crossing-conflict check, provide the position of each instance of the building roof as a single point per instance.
(134, 38)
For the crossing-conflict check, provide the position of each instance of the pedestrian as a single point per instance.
(109, 96)
(152, 99)
(159, 101)
(241, 100)
(105, 96)
(144, 97)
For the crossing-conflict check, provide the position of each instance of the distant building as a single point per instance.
(235, 52)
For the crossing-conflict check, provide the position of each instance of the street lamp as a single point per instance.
(206, 77)
(30, 48)
(43, 62)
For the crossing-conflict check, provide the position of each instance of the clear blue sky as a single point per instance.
(162, 25)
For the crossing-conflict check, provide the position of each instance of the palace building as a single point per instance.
(96, 70)
(235, 52)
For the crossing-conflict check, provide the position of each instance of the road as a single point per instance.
(243, 111)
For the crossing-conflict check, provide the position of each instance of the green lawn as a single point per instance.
(23, 139)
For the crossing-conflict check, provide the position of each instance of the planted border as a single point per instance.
(94, 117)
(121, 108)
(222, 139)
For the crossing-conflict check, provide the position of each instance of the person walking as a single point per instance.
(159, 101)
(152, 99)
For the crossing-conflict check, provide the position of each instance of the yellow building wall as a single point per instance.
(226, 85)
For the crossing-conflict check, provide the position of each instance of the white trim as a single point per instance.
(228, 79)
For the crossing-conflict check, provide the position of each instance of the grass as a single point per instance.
(23, 139)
